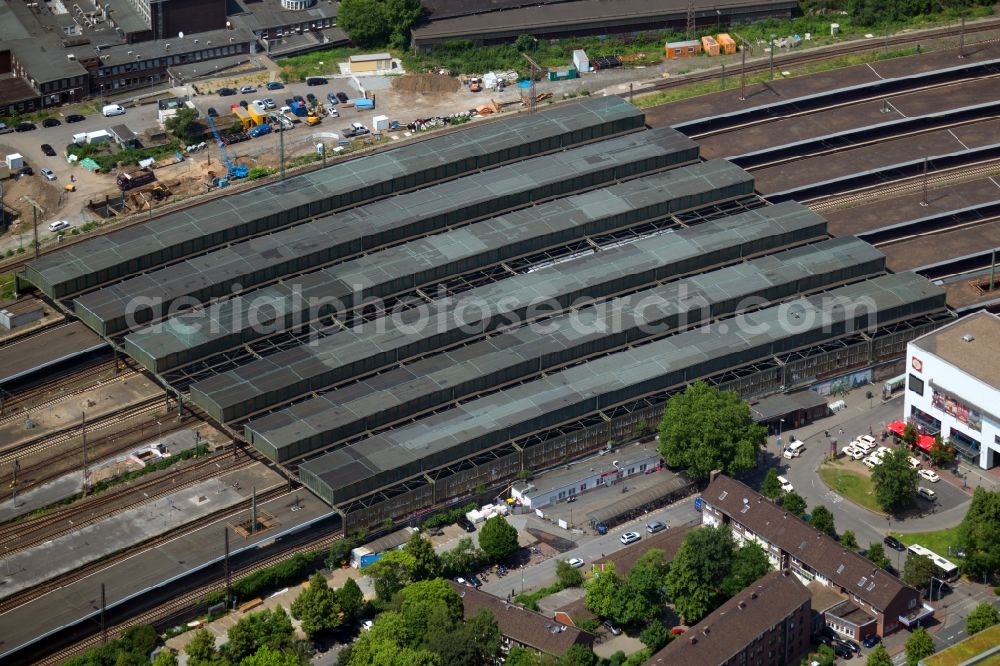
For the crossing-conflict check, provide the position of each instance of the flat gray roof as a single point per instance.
(603, 383)
(334, 416)
(265, 15)
(391, 220)
(450, 320)
(142, 246)
(971, 344)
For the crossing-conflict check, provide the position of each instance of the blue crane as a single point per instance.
(233, 170)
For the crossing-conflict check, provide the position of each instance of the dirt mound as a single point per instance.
(426, 83)
(43, 192)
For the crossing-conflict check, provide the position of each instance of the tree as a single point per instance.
(518, 656)
(876, 555)
(979, 532)
(749, 563)
(365, 21)
(461, 560)
(498, 539)
(983, 616)
(185, 125)
(316, 607)
(270, 628)
(771, 487)
(794, 504)
(402, 16)
(704, 429)
(919, 645)
(429, 603)
(848, 540)
(201, 650)
(426, 563)
(879, 657)
(895, 481)
(694, 575)
(939, 453)
(475, 643)
(266, 656)
(822, 519)
(568, 575)
(910, 435)
(917, 571)
(602, 592)
(165, 658)
(525, 42)
(643, 593)
(655, 636)
(391, 573)
(350, 598)
(578, 655)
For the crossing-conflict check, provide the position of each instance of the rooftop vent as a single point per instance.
(742, 605)
(705, 631)
(968, 337)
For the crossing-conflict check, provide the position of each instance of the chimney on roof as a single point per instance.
(705, 631)
(693, 639)
(714, 473)
(786, 514)
(741, 605)
(968, 337)
(753, 595)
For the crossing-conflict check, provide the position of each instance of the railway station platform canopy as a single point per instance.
(443, 256)
(118, 255)
(467, 429)
(541, 293)
(367, 228)
(624, 507)
(429, 383)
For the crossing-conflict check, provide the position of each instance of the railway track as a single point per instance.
(944, 228)
(22, 534)
(27, 595)
(51, 391)
(180, 607)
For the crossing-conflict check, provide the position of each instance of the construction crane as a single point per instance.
(233, 170)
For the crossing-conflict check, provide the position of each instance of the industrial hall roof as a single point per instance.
(611, 271)
(615, 379)
(842, 566)
(227, 218)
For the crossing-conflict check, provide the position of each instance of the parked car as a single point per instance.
(316, 81)
(794, 450)
(466, 525)
(863, 444)
(269, 103)
(882, 451)
(24, 127)
(615, 631)
(853, 453)
(244, 103)
(246, 90)
(655, 526)
(842, 650)
(927, 493)
(332, 112)
(475, 582)
(275, 85)
(227, 92)
(342, 97)
(575, 562)
(461, 581)
(299, 98)
(110, 110)
(914, 462)
(58, 225)
(929, 475)
(871, 641)
(51, 122)
(867, 439)
(25, 171)
(48, 150)
(75, 118)
(630, 537)
(331, 97)
(854, 647)
(786, 485)
(47, 172)
(894, 543)
(4, 128)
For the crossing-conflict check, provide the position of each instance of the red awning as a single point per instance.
(896, 427)
(924, 442)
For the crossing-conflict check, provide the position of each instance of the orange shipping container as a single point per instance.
(726, 44)
(683, 49)
(710, 46)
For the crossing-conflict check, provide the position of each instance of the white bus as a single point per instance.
(946, 570)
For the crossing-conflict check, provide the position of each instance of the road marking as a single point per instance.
(833, 497)
(957, 139)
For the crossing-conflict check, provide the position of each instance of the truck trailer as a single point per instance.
(131, 179)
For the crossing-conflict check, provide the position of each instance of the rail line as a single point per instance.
(24, 596)
(14, 406)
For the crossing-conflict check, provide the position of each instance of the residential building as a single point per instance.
(953, 386)
(874, 601)
(522, 627)
(766, 624)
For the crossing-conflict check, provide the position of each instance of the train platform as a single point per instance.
(882, 212)
(33, 353)
(808, 171)
(785, 88)
(969, 291)
(923, 251)
(834, 121)
(146, 570)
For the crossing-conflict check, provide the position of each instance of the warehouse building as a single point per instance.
(118, 255)
(110, 311)
(470, 429)
(953, 387)
(445, 378)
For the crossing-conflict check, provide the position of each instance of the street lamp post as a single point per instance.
(771, 54)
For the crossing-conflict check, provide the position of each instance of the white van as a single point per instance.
(113, 110)
(794, 450)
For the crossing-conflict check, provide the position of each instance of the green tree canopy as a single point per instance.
(200, 650)
(602, 592)
(350, 598)
(643, 593)
(498, 539)
(979, 532)
(771, 487)
(266, 656)
(461, 560)
(983, 616)
(876, 554)
(939, 453)
(917, 571)
(475, 643)
(185, 125)
(697, 571)
(794, 504)
(919, 645)
(391, 573)
(364, 21)
(895, 481)
(426, 563)
(316, 607)
(568, 575)
(270, 628)
(578, 655)
(749, 563)
(402, 16)
(518, 656)
(879, 657)
(848, 540)
(165, 658)
(655, 636)
(704, 429)
(822, 519)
